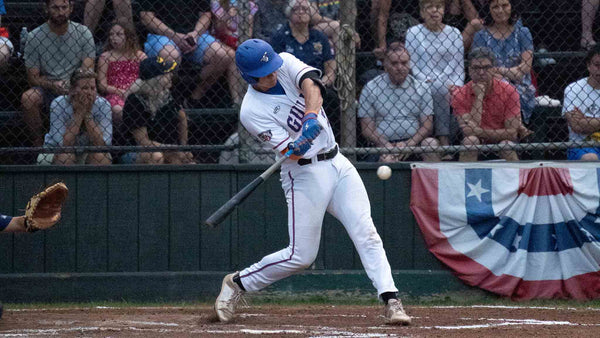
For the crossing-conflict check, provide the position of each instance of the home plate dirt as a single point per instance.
(302, 321)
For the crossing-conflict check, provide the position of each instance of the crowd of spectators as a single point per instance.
(419, 98)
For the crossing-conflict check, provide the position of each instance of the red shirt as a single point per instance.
(499, 104)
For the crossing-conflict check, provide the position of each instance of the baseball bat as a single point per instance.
(218, 216)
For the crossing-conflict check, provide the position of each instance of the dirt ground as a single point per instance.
(302, 321)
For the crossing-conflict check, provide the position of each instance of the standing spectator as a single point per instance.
(582, 109)
(81, 118)
(436, 52)
(396, 109)
(94, 8)
(118, 68)
(152, 118)
(178, 31)
(513, 45)
(393, 19)
(588, 14)
(269, 19)
(53, 52)
(227, 19)
(488, 109)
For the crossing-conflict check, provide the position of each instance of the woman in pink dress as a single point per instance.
(118, 68)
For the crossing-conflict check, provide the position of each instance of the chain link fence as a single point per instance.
(144, 81)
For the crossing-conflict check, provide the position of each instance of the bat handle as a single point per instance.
(289, 153)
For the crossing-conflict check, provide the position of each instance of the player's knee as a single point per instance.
(170, 53)
(31, 98)
(589, 157)
(470, 141)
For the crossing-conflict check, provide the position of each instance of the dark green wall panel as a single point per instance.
(142, 218)
(92, 222)
(153, 222)
(6, 239)
(60, 248)
(123, 222)
(28, 248)
(251, 222)
(215, 243)
(184, 227)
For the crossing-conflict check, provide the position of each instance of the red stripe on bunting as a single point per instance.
(545, 181)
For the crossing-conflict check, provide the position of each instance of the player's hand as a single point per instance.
(310, 126)
(300, 146)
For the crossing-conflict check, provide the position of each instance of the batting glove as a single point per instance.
(310, 126)
(300, 146)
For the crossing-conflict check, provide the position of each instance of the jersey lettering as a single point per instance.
(294, 121)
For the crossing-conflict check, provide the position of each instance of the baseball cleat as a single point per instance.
(227, 301)
(394, 313)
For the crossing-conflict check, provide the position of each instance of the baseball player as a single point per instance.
(283, 108)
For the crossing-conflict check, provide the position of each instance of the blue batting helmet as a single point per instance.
(256, 58)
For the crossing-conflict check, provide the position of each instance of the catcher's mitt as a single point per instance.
(43, 210)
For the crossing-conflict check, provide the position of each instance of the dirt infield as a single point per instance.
(302, 321)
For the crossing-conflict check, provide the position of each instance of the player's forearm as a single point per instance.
(312, 96)
(17, 224)
(423, 132)
(497, 135)
(155, 25)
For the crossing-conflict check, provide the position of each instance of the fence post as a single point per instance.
(244, 31)
(346, 69)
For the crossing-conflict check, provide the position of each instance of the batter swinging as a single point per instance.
(283, 108)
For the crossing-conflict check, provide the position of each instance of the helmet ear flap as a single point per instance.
(250, 79)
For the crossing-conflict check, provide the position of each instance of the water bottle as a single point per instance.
(23, 40)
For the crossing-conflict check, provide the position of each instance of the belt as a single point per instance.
(321, 157)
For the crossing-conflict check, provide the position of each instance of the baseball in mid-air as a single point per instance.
(384, 172)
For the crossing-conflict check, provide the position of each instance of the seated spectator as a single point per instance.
(152, 118)
(437, 57)
(178, 31)
(588, 14)
(513, 45)
(582, 109)
(271, 18)
(309, 45)
(94, 8)
(118, 68)
(53, 52)
(396, 109)
(488, 109)
(259, 152)
(80, 118)
(226, 20)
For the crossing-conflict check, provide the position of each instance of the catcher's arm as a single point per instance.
(44, 209)
(16, 224)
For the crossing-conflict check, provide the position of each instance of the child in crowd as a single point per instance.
(118, 68)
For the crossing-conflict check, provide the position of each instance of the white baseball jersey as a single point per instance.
(331, 185)
(276, 117)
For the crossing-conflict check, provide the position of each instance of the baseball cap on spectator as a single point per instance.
(152, 67)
